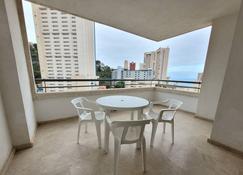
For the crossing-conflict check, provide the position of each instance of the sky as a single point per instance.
(187, 52)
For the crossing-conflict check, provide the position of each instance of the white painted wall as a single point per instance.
(15, 85)
(215, 67)
(189, 100)
(228, 124)
(10, 88)
(51, 108)
(5, 141)
(58, 106)
(22, 70)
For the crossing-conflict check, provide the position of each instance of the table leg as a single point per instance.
(107, 134)
(140, 114)
(140, 117)
(132, 115)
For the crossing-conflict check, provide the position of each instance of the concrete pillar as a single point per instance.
(15, 84)
(217, 59)
(228, 124)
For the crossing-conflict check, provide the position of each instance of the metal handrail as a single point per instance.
(158, 83)
(173, 81)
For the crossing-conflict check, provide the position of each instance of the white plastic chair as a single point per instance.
(127, 132)
(88, 111)
(165, 116)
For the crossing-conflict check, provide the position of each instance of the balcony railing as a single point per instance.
(46, 85)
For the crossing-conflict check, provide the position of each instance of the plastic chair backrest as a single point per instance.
(175, 104)
(82, 104)
(78, 102)
(129, 131)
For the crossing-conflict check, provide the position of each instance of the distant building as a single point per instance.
(120, 73)
(142, 66)
(199, 76)
(126, 64)
(132, 66)
(158, 62)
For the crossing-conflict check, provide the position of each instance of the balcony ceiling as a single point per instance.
(152, 19)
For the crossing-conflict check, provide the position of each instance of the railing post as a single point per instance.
(45, 85)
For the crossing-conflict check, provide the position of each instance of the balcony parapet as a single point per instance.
(93, 92)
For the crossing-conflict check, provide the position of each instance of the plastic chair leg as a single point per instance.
(117, 145)
(154, 129)
(164, 127)
(86, 127)
(173, 131)
(79, 126)
(97, 125)
(107, 135)
(144, 153)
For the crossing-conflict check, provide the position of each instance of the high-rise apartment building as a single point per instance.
(158, 62)
(126, 64)
(65, 45)
(132, 66)
(142, 66)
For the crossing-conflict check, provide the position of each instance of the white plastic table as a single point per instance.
(120, 102)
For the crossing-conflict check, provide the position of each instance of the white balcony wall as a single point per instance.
(5, 140)
(56, 106)
(189, 99)
(215, 67)
(228, 124)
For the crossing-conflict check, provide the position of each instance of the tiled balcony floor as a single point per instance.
(56, 152)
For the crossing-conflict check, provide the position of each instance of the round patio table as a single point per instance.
(121, 103)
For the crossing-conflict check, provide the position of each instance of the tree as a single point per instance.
(35, 60)
(104, 72)
(120, 84)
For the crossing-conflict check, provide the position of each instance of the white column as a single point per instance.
(15, 84)
(228, 124)
(215, 66)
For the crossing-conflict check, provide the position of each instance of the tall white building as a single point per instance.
(158, 62)
(65, 45)
(142, 66)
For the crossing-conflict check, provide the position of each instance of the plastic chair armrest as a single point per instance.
(85, 109)
(164, 111)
